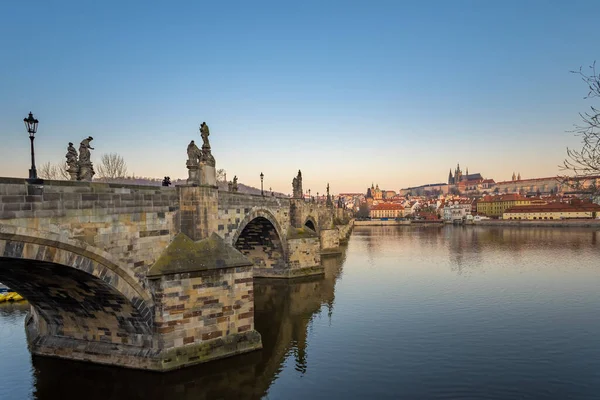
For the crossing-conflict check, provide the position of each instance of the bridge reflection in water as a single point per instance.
(283, 312)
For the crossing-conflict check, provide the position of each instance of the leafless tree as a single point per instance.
(585, 162)
(56, 171)
(221, 175)
(47, 171)
(111, 166)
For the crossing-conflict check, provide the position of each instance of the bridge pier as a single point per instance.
(149, 277)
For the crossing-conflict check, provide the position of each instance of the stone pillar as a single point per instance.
(208, 174)
(330, 241)
(198, 210)
(193, 174)
(296, 214)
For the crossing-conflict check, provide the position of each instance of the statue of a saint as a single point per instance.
(204, 132)
(71, 157)
(84, 150)
(86, 169)
(234, 186)
(194, 154)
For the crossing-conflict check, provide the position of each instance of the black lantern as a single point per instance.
(261, 184)
(31, 125)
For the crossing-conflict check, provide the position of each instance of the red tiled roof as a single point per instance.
(387, 206)
(555, 207)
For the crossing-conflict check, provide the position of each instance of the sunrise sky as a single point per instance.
(390, 92)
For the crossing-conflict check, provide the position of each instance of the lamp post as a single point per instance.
(262, 176)
(31, 125)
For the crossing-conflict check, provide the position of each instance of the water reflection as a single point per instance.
(283, 313)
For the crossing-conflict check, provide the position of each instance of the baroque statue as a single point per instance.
(204, 133)
(86, 168)
(72, 165)
(207, 156)
(194, 154)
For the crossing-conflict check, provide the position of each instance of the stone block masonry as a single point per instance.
(133, 223)
(151, 277)
(204, 315)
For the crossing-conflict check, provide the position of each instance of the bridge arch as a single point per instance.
(76, 291)
(260, 238)
(311, 223)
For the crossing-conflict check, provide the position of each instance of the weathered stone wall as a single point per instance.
(204, 315)
(345, 231)
(132, 223)
(198, 210)
(236, 210)
(330, 241)
(304, 256)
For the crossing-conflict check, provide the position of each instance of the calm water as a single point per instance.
(411, 313)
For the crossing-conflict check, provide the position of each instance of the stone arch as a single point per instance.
(77, 291)
(260, 238)
(311, 223)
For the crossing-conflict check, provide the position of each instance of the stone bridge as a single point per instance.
(152, 277)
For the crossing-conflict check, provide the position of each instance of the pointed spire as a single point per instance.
(519, 177)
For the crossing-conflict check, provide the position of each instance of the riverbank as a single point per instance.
(398, 223)
(564, 223)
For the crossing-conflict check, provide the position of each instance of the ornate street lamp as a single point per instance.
(31, 125)
(262, 176)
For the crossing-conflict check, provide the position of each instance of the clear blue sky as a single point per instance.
(351, 92)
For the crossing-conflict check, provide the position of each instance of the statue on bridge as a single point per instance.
(194, 154)
(201, 163)
(204, 132)
(328, 203)
(207, 156)
(72, 166)
(297, 186)
(86, 169)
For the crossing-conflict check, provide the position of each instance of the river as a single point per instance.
(412, 313)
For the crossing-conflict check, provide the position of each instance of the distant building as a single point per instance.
(374, 194)
(459, 177)
(495, 206)
(575, 209)
(424, 190)
(386, 210)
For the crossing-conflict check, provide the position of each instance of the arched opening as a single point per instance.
(261, 243)
(69, 303)
(310, 225)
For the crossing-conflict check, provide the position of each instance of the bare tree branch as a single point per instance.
(585, 163)
(112, 166)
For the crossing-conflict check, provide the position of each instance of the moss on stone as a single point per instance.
(185, 255)
(301, 233)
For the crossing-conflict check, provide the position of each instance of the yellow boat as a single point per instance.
(10, 296)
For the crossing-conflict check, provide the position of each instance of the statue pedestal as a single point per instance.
(208, 175)
(73, 173)
(86, 172)
(193, 174)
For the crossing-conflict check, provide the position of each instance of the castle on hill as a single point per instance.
(459, 177)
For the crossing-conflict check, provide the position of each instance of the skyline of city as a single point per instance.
(395, 94)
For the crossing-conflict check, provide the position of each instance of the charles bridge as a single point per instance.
(152, 277)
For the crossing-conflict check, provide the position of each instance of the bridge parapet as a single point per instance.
(131, 222)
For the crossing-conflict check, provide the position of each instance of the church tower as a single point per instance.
(450, 178)
(514, 177)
